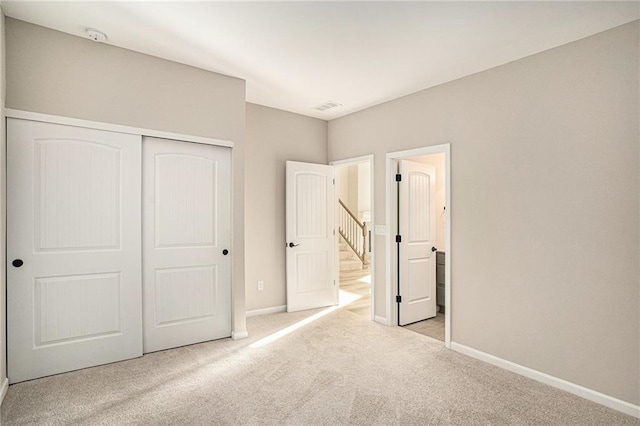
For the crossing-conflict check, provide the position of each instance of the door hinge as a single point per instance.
(398, 299)
(398, 239)
(398, 177)
(334, 232)
(334, 181)
(334, 283)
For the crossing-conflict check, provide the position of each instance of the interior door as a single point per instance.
(417, 260)
(73, 248)
(310, 236)
(186, 243)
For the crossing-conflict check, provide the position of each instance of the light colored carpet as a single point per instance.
(331, 367)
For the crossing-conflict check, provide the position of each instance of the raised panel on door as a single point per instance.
(186, 228)
(184, 294)
(73, 219)
(73, 308)
(185, 200)
(310, 239)
(417, 228)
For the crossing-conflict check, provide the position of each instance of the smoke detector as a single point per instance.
(96, 35)
(327, 105)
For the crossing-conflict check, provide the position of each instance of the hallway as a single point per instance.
(358, 282)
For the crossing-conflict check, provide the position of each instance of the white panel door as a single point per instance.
(310, 236)
(186, 243)
(73, 248)
(417, 261)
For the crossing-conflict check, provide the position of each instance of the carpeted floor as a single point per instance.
(316, 367)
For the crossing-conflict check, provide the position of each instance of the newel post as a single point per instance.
(365, 259)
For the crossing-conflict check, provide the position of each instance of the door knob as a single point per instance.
(225, 252)
(434, 249)
(293, 245)
(17, 263)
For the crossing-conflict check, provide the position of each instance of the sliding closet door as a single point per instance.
(73, 248)
(186, 242)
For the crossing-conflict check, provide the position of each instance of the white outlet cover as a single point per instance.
(381, 230)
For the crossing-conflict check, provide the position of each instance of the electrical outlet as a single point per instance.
(260, 285)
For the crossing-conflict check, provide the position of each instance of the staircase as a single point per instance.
(349, 261)
(353, 240)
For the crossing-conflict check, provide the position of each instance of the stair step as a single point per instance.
(350, 265)
(348, 255)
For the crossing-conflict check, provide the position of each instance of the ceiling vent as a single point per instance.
(327, 105)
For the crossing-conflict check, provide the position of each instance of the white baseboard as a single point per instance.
(237, 335)
(581, 391)
(3, 389)
(381, 320)
(266, 311)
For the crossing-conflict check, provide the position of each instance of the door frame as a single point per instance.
(391, 160)
(350, 162)
(99, 125)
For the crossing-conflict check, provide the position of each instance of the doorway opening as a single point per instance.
(419, 245)
(354, 218)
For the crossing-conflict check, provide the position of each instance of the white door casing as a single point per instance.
(310, 239)
(73, 219)
(186, 229)
(417, 261)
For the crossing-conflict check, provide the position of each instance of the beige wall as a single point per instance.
(352, 184)
(364, 189)
(354, 187)
(342, 182)
(273, 137)
(544, 180)
(348, 187)
(55, 73)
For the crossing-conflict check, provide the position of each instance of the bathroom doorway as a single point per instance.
(418, 236)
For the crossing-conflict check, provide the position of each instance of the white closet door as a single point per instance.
(186, 243)
(73, 248)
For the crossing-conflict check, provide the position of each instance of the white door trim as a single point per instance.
(346, 162)
(390, 161)
(76, 122)
(4, 387)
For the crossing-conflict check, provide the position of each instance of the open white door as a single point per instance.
(186, 241)
(310, 237)
(73, 248)
(417, 261)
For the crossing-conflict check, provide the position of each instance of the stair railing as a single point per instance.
(353, 232)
